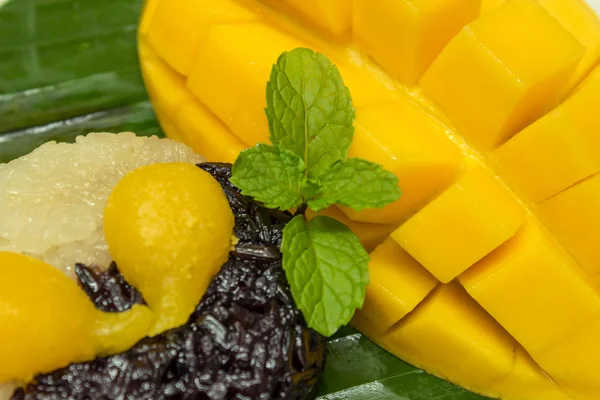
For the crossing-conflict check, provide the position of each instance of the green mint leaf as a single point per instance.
(327, 269)
(310, 188)
(356, 183)
(309, 109)
(271, 175)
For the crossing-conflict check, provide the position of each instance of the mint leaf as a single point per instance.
(309, 109)
(327, 269)
(272, 176)
(356, 183)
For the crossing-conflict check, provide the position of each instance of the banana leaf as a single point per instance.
(68, 67)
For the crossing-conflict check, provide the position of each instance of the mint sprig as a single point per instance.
(310, 116)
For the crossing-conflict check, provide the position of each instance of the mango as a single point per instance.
(490, 5)
(184, 23)
(503, 71)
(206, 134)
(556, 151)
(415, 147)
(449, 326)
(529, 380)
(532, 287)
(334, 17)
(581, 21)
(237, 94)
(484, 271)
(464, 224)
(398, 283)
(574, 218)
(581, 380)
(419, 31)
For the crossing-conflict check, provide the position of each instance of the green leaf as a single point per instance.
(327, 269)
(356, 183)
(357, 369)
(309, 109)
(271, 175)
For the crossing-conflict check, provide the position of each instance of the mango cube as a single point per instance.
(236, 94)
(405, 36)
(464, 224)
(334, 16)
(556, 151)
(397, 284)
(371, 235)
(413, 145)
(583, 23)
(206, 134)
(573, 217)
(147, 16)
(178, 25)
(451, 336)
(528, 381)
(365, 88)
(165, 86)
(533, 289)
(503, 71)
(591, 80)
(490, 5)
(573, 362)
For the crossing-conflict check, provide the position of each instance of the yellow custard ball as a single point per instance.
(169, 229)
(48, 322)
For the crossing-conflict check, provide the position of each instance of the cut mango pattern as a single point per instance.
(485, 272)
(397, 284)
(574, 218)
(434, 23)
(461, 226)
(424, 159)
(519, 61)
(558, 150)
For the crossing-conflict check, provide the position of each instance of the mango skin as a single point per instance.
(515, 119)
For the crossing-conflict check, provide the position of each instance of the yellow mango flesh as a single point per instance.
(450, 336)
(418, 29)
(424, 159)
(556, 151)
(398, 283)
(533, 289)
(178, 26)
(469, 112)
(462, 225)
(581, 380)
(334, 17)
(574, 218)
(237, 95)
(519, 61)
(528, 380)
(48, 322)
(581, 21)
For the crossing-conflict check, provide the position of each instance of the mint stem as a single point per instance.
(301, 209)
